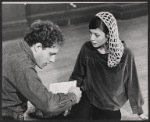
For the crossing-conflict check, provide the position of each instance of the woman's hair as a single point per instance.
(96, 22)
(107, 22)
(45, 32)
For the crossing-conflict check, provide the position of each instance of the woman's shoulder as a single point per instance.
(87, 45)
(127, 50)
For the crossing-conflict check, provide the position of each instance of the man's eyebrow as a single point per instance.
(53, 53)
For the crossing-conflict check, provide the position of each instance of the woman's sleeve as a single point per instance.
(133, 87)
(31, 87)
(79, 68)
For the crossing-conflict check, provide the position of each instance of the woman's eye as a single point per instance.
(97, 35)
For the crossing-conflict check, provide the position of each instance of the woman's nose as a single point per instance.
(92, 37)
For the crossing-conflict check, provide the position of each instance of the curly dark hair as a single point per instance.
(45, 32)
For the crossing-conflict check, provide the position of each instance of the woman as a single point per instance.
(105, 70)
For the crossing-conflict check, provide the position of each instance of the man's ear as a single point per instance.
(37, 47)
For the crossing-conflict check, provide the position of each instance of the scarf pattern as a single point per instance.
(116, 48)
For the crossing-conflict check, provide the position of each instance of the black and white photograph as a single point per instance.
(74, 61)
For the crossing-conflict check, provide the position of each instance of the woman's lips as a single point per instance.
(94, 44)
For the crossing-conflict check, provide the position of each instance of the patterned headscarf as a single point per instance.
(116, 47)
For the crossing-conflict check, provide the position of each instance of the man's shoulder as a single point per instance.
(16, 63)
(20, 61)
(23, 61)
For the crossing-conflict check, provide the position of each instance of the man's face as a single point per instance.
(45, 56)
(98, 37)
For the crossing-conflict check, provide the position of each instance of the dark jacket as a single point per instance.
(108, 88)
(21, 83)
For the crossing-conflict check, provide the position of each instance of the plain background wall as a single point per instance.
(13, 12)
(16, 18)
(14, 21)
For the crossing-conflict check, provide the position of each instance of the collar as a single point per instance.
(28, 50)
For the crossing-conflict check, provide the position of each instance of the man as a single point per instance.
(20, 82)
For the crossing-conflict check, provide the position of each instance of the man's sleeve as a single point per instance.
(31, 87)
(133, 87)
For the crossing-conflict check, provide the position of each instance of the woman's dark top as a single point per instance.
(108, 88)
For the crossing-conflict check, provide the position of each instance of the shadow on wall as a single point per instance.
(17, 17)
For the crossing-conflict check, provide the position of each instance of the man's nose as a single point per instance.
(52, 58)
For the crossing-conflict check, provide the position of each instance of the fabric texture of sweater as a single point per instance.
(108, 88)
(21, 83)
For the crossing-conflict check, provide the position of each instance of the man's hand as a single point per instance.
(143, 117)
(76, 91)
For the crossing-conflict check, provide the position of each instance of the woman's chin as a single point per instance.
(94, 45)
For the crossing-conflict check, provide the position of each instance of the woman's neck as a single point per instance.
(103, 49)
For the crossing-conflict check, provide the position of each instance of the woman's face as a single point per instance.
(98, 37)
